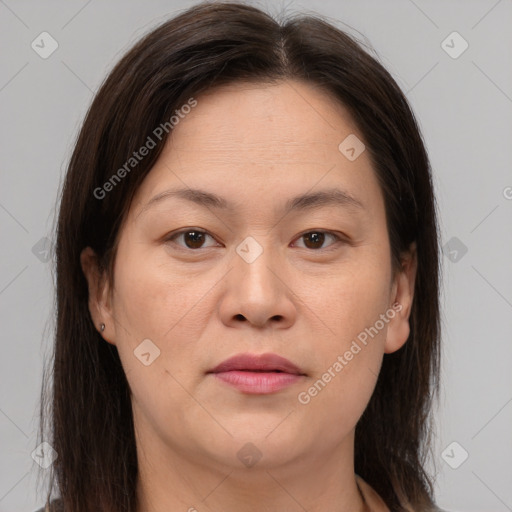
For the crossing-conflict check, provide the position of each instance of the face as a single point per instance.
(284, 251)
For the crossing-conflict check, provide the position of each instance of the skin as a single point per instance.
(256, 145)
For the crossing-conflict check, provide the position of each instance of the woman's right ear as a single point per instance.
(99, 296)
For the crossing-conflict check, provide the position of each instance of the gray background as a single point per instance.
(464, 107)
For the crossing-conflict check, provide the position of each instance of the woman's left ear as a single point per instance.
(402, 295)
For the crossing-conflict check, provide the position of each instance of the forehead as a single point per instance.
(267, 119)
(250, 138)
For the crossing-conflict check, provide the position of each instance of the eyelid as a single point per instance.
(336, 236)
(175, 234)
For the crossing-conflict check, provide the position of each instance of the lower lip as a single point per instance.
(261, 383)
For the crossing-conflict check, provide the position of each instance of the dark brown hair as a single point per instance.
(86, 414)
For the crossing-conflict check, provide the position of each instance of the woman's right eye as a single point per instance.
(192, 238)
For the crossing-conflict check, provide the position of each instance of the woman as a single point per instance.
(247, 279)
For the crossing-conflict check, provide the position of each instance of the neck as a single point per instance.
(170, 480)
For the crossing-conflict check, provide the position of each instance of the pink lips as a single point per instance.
(258, 374)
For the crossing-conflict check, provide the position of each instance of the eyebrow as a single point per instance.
(307, 201)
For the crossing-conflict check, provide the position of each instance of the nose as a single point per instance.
(258, 294)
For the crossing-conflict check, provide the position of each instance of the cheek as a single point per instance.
(335, 401)
(347, 301)
(171, 309)
(348, 362)
(153, 303)
(155, 300)
(349, 352)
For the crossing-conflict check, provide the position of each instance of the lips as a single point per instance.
(258, 363)
(258, 374)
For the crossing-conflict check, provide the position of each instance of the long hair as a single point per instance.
(86, 410)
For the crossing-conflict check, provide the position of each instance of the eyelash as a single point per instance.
(177, 234)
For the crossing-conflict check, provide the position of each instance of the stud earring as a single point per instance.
(102, 327)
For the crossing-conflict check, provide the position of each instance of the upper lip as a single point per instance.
(263, 362)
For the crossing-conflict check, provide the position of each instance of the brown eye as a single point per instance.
(192, 238)
(315, 239)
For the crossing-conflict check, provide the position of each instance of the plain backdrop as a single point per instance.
(463, 102)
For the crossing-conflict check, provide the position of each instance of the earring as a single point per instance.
(102, 327)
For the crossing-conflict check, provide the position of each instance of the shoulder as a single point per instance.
(54, 506)
(371, 498)
(376, 503)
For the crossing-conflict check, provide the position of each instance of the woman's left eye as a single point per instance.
(315, 239)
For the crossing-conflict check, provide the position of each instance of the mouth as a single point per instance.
(258, 374)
